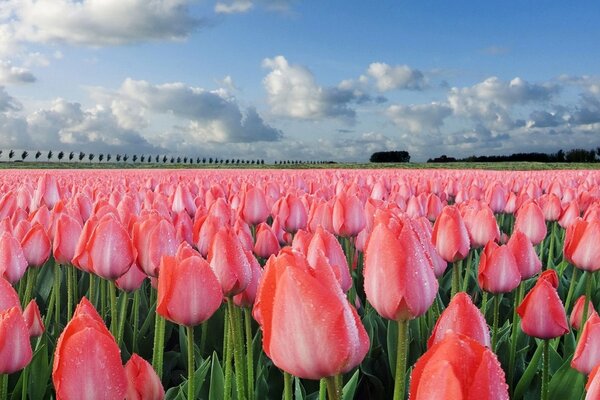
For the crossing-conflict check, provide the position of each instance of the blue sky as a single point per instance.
(277, 79)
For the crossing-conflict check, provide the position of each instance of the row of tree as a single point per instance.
(570, 156)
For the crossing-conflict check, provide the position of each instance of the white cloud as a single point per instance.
(235, 7)
(420, 117)
(98, 22)
(10, 74)
(396, 77)
(7, 102)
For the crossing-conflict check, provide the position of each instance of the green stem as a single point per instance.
(571, 289)
(50, 308)
(514, 334)
(114, 320)
(75, 285)
(240, 384)
(484, 299)
(123, 300)
(333, 389)
(401, 356)
(588, 297)
(203, 333)
(550, 258)
(69, 293)
(249, 352)
(56, 290)
(92, 289)
(456, 272)
(136, 318)
(465, 283)
(495, 325)
(3, 386)
(545, 365)
(25, 383)
(31, 279)
(103, 299)
(227, 355)
(287, 386)
(159, 339)
(323, 389)
(191, 366)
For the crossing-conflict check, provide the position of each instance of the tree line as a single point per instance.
(570, 156)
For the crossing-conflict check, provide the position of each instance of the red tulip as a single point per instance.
(247, 297)
(36, 246)
(321, 214)
(153, 237)
(254, 206)
(131, 280)
(530, 220)
(12, 260)
(15, 348)
(527, 259)
(328, 340)
(587, 352)
(87, 361)
(206, 228)
(569, 215)
(188, 290)
(33, 318)
(458, 367)
(461, 316)
(229, 262)
(482, 226)
(291, 212)
(66, 235)
(551, 207)
(450, 236)
(593, 385)
(581, 244)
(577, 313)
(542, 312)
(498, 269)
(399, 279)
(496, 197)
(324, 242)
(266, 242)
(8, 296)
(142, 381)
(348, 215)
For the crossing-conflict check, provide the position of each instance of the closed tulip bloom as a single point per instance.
(254, 206)
(15, 348)
(12, 260)
(206, 229)
(321, 213)
(66, 235)
(87, 359)
(569, 215)
(36, 246)
(8, 296)
(328, 340)
(291, 213)
(131, 280)
(592, 387)
(301, 241)
(461, 316)
(229, 262)
(450, 236)
(188, 290)
(542, 312)
(399, 278)
(587, 352)
(33, 318)
(324, 242)
(153, 237)
(247, 297)
(266, 242)
(482, 227)
(530, 220)
(577, 313)
(458, 367)
(496, 197)
(498, 269)
(108, 250)
(551, 207)
(581, 245)
(348, 215)
(528, 262)
(142, 381)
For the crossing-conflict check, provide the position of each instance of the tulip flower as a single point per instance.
(254, 206)
(450, 235)
(324, 242)
(577, 313)
(33, 318)
(266, 242)
(12, 260)
(36, 246)
(142, 381)
(569, 215)
(498, 269)
(587, 352)
(458, 367)
(66, 235)
(131, 280)
(581, 244)
(348, 215)
(530, 220)
(482, 226)
(527, 259)
(592, 387)
(87, 359)
(15, 348)
(8, 296)
(461, 316)
(329, 339)
(153, 237)
(229, 262)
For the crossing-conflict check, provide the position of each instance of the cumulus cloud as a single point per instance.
(98, 22)
(7, 102)
(293, 92)
(234, 7)
(420, 117)
(389, 77)
(11, 74)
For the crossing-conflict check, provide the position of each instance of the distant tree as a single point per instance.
(50, 154)
(178, 160)
(165, 158)
(185, 160)
(91, 156)
(204, 160)
(118, 157)
(61, 155)
(108, 157)
(134, 158)
(11, 154)
(157, 158)
(71, 155)
(38, 154)
(210, 160)
(390, 156)
(172, 160)
(24, 155)
(197, 160)
(125, 157)
(142, 158)
(580, 155)
(100, 157)
(262, 162)
(81, 155)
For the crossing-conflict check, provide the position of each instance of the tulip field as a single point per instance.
(306, 284)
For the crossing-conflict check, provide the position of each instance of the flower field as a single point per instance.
(312, 284)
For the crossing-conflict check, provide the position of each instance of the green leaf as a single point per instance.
(298, 389)
(350, 387)
(217, 380)
(392, 344)
(566, 383)
(199, 376)
(529, 374)
(39, 373)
